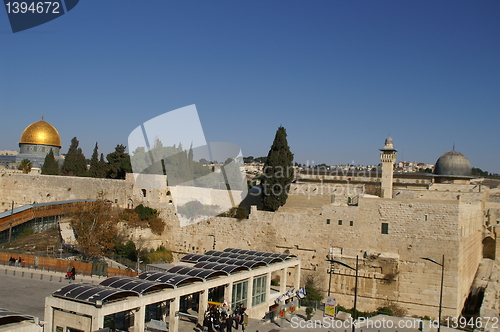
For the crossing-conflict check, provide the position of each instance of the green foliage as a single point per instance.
(479, 172)
(155, 223)
(25, 232)
(50, 165)
(275, 281)
(145, 212)
(25, 166)
(118, 163)
(309, 313)
(74, 163)
(97, 168)
(159, 255)
(391, 309)
(126, 250)
(239, 213)
(278, 173)
(312, 291)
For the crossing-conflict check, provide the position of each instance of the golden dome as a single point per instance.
(42, 133)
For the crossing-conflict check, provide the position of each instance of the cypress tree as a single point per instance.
(278, 173)
(74, 164)
(94, 163)
(119, 163)
(50, 165)
(103, 167)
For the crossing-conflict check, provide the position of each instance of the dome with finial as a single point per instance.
(41, 133)
(453, 163)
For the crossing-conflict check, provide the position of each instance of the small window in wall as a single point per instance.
(340, 222)
(351, 223)
(426, 217)
(143, 192)
(385, 228)
(328, 221)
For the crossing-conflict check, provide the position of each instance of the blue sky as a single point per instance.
(338, 75)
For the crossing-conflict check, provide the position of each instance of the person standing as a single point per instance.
(73, 272)
(229, 323)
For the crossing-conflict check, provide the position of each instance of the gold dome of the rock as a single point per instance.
(42, 133)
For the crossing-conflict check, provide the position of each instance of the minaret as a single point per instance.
(387, 157)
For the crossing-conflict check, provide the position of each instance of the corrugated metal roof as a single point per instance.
(30, 206)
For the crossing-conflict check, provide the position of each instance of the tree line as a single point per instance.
(116, 165)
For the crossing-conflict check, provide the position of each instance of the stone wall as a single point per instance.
(28, 189)
(444, 220)
(391, 268)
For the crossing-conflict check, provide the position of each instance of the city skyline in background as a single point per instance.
(339, 76)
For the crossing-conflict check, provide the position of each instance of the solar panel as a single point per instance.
(91, 293)
(133, 284)
(221, 267)
(169, 278)
(4, 313)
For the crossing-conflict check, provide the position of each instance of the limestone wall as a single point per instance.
(391, 267)
(445, 220)
(28, 189)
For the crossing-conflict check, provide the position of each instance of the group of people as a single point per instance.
(16, 261)
(221, 319)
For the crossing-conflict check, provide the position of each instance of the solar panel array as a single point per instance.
(12, 315)
(134, 284)
(210, 265)
(237, 257)
(87, 293)
(173, 279)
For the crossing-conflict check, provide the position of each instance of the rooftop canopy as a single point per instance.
(204, 273)
(90, 294)
(173, 279)
(7, 317)
(238, 257)
(134, 284)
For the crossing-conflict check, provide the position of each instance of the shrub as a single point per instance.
(159, 255)
(25, 232)
(309, 313)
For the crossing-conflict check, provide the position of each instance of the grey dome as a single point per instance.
(453, 163)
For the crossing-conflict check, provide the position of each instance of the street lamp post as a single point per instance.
(330, 271)
(338, 261)
(441, 291)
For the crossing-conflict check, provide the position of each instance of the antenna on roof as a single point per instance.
(43, 116)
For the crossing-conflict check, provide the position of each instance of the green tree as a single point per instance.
(118, 163)
(74, 164)
(25, 166)
(94, 162)
(103, 167)
(97, 167)
(278, 173)
(50, 165)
